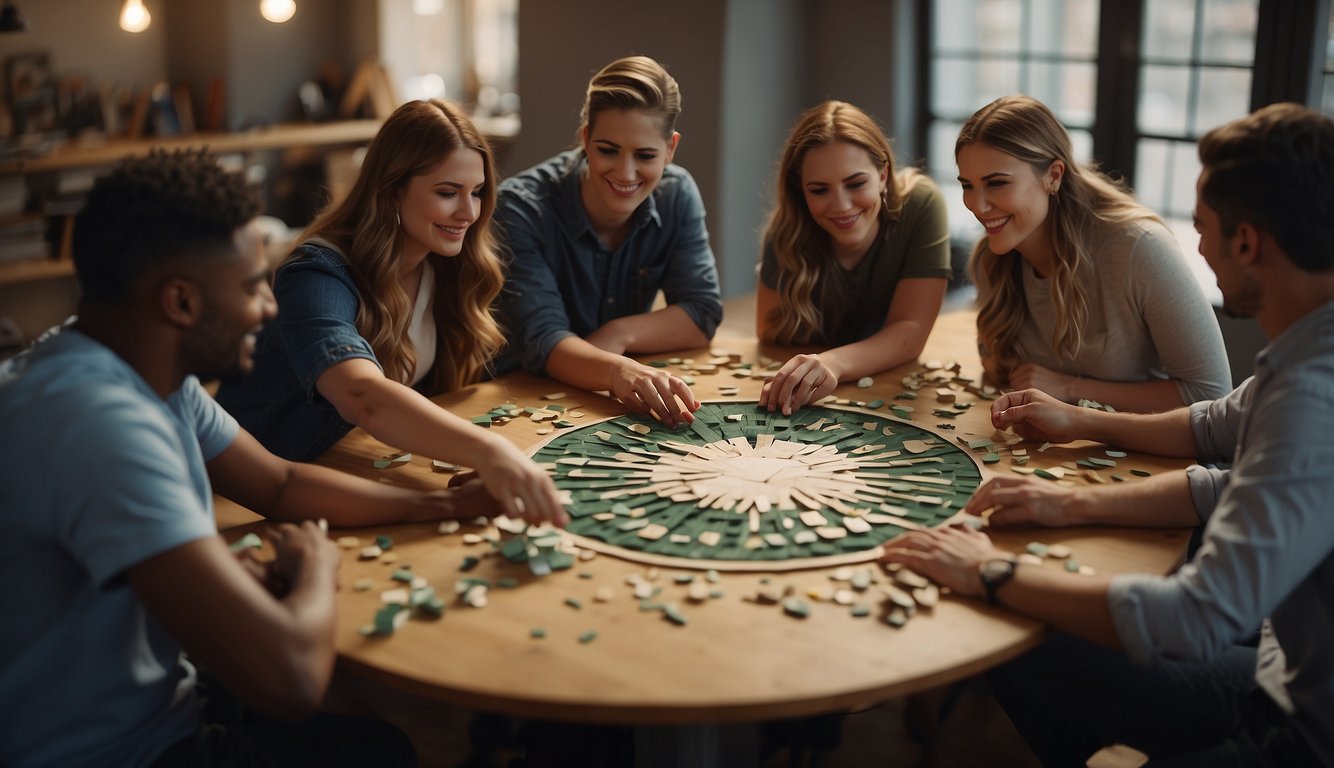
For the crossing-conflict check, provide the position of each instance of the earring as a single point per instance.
(397, 220)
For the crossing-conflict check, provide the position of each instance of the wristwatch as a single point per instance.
(994, 573)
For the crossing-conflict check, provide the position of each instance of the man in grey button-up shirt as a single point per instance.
(1266, 560)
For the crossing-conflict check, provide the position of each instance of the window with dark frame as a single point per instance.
(1136, 83)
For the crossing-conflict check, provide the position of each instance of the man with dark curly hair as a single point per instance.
(110, 451)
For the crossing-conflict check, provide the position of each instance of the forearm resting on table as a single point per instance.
(891, 346)
(1142, 396)
(578, 363)
(313, 492)
(669, 328)
(1162, 501)
(1069, 602)
(1160, 434)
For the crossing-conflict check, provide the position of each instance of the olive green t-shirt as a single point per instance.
(854, 302)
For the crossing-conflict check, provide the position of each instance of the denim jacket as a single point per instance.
(315, 329)
(562, 281)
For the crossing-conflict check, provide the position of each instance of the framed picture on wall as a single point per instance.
(32, 92)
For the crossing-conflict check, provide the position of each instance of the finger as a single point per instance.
(658, 396)
(680, 391)
(765, 400)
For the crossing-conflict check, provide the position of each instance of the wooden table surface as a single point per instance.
(735, 660)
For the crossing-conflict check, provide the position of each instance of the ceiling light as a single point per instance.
(277, 11)
(134, 17)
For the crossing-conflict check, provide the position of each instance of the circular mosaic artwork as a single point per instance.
(745, 489)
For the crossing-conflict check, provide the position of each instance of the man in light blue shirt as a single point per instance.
(1193, 695)
(110, 451)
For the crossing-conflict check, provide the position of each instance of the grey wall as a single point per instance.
(83, 37)
(764, 88)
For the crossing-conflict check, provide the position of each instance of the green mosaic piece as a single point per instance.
(639, 485)
(1140, 472)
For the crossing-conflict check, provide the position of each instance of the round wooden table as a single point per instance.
(735, 660)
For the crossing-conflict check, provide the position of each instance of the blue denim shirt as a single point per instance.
(562, 281)
(315, 329)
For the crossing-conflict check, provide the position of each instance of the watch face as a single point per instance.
(996, 569)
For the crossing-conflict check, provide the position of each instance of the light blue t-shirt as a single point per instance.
(97, 474)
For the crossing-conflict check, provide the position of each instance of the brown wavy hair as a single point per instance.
(364, 225)
(801, 247)
(1024, 128)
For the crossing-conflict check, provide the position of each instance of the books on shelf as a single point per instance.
(23, 236)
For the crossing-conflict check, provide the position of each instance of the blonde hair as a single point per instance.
(1024, 128)
(800, 246)
(364, 225)
(634, 82)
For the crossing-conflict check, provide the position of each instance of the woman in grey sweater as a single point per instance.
(1083, 292)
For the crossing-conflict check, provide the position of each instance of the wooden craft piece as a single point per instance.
(743, 476)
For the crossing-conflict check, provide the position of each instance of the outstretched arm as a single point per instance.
(292, 491)
(1036, 415)
(399, 416)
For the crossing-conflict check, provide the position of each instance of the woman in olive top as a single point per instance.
(855, 257)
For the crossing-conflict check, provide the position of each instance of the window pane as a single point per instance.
(1329, 44)
(1185, 170)
(1224, 95)
(953, 25)
(1068, 27)
(940, 164)
(1328, 101)
(1070, 89)
(1169, 27)
(1151, 171)
(997, 25)
(1163, 99)
(1229, 31)
(960, 87)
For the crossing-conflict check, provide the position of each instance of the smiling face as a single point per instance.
(627, 155)
(1008, 197)
(843, 188)
(236, 300)
(437, 207)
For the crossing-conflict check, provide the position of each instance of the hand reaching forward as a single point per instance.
(521, 488)
(1023, 501)
(801, 380)
(1035, 415)
(652, 391)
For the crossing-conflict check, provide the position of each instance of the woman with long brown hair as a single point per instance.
(387, 300)
(855, 257)
(1083, 292)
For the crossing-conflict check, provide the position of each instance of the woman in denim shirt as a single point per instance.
(595, 232)
(386, 300)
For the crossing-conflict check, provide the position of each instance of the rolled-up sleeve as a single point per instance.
(1217, 423)
(691, 278)
(531, 308)
(317, 313)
